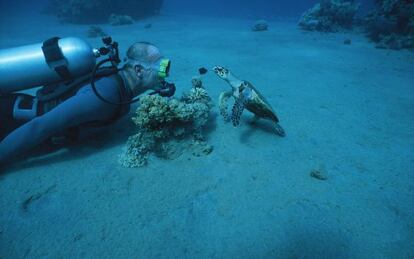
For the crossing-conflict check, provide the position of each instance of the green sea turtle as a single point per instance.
(245, 96)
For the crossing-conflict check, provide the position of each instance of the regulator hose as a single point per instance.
(168, 89)
(95, 69)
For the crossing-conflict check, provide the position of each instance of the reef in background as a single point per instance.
(98, 11)
(116, 19)
(391, 24)
(169, 126)
(329, 16)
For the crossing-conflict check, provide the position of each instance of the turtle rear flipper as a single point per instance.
(279, 130)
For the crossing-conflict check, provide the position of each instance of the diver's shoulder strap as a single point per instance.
(68, 88)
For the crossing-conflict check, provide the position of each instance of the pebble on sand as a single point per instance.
(260, 25)
(319, 173)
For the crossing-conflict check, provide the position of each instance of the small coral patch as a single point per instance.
(168, 126)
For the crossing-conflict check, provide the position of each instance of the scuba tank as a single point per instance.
(45, 63)
(59, 66)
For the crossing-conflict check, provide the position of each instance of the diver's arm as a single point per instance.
(81, 108)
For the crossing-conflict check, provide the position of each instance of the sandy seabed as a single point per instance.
(346, 108)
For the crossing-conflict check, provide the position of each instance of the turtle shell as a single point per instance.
(258, 105)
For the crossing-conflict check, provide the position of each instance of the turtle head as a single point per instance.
(227, 76)
(222, 72)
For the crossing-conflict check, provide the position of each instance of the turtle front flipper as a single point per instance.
(239, 104)
(223, 104)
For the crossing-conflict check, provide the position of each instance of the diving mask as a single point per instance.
(162, 66)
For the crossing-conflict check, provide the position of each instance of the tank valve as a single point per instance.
(110, 49)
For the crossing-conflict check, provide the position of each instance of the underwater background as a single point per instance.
(340, 184)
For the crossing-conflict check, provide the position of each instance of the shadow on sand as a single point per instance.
(91, 140)
(253, 126)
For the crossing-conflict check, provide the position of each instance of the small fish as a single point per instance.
(202, 71)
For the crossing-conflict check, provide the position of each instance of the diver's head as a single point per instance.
(146, 67)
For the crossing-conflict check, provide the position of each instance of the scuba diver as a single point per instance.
(76, 90)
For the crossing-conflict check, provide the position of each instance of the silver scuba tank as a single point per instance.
(45, 63)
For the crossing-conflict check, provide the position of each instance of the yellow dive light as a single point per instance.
(164, 68)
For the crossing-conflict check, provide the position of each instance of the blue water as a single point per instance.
(347, 111)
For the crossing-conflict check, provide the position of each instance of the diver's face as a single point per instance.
(147, 77)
